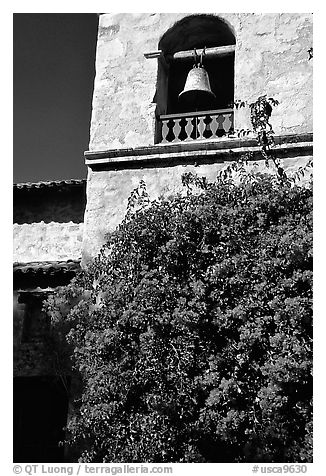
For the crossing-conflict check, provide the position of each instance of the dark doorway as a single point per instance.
(40, 413)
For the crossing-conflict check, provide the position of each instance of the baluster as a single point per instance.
(220, 121)
(214, 126)
(188, 128)
(165, 130)
(228, 122)
(176, 130)
(201, 127)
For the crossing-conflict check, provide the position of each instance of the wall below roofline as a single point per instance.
(47, 241)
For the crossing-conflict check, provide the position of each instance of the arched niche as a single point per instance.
(195, 31)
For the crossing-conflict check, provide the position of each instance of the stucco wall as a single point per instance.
(108, 192)
(47, 241)
(271, 58)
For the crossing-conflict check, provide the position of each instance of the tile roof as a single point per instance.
(47, 267)
(45, 274)
(46, 185)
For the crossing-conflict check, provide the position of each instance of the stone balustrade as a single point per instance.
(185, 127)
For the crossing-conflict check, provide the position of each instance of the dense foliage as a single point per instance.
(192, 330)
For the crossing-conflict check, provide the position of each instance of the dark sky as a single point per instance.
(54, 67)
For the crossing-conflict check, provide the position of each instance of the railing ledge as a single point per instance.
(214, 112)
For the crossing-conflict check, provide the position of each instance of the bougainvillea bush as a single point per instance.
(191, 333)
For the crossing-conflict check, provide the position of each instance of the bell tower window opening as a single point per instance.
(220, 71)
(212, 36)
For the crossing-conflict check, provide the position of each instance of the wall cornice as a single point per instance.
(286, 145)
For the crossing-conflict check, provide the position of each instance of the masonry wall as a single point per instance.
(48, 221)
(271, 58)
(47, 241)
(108, 191)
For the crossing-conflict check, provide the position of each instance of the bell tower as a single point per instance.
(155, 116)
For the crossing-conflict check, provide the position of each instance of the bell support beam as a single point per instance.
(209, 52)
(188, 55)
(153, 54)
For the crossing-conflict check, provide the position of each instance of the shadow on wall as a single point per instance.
(57, 201)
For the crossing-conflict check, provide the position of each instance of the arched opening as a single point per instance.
(177, 59)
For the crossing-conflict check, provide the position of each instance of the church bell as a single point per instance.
(197, 90)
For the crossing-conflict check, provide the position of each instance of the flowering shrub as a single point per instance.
(191, 331)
